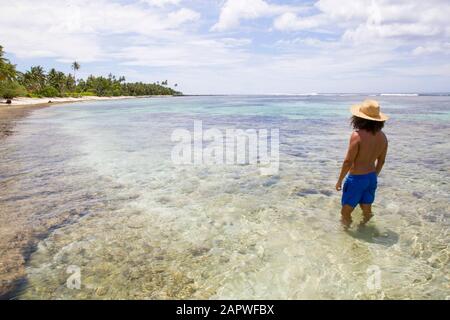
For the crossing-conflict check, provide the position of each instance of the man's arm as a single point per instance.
(352, 152)
(381, 159)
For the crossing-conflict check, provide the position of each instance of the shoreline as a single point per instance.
(23, 106)
(25, 101)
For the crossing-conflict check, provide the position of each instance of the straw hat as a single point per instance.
(370, 110)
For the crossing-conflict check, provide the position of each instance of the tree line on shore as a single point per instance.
(36, 82)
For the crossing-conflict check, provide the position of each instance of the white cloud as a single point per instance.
(79, 29)
(161, 3)
(186, 52)
(308, 42)
(366, 20)
(182, 16)
(370, 32)
(233, 11)
(357, 21)
(432, 48)
(365, 45)
(290, 21)
(235, 42)
(345, 9)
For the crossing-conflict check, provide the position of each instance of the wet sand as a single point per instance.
(10, 114)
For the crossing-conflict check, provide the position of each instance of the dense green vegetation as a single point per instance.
(9, 87)
(36, 82)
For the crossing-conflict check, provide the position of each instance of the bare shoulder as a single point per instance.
(384, 136)
(355, 136)
(383, 141)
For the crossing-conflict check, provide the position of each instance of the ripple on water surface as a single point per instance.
(152, 230)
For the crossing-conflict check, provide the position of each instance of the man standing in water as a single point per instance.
(365, 159)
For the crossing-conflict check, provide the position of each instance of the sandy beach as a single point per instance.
(24, 101)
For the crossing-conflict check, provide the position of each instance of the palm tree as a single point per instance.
(52, 78)
(56, 79)
(7, 70)
(35, 79)
(75, 66)
(61, 81)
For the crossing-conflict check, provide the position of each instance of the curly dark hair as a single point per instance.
(368, 125)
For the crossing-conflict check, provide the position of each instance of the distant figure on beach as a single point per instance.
(364, 160)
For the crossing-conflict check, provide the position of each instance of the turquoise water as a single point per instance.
(138, 226)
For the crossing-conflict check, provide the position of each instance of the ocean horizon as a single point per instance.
(342, 94)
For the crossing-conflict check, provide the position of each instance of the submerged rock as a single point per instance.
(199, 251)
(307, 192)
(417, 194)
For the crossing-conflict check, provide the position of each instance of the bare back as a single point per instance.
(371, 147)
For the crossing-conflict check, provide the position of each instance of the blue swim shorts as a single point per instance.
(359, 188)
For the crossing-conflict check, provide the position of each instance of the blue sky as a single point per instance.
(239, 46)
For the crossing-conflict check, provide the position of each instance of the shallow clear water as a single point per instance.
(142, 227)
